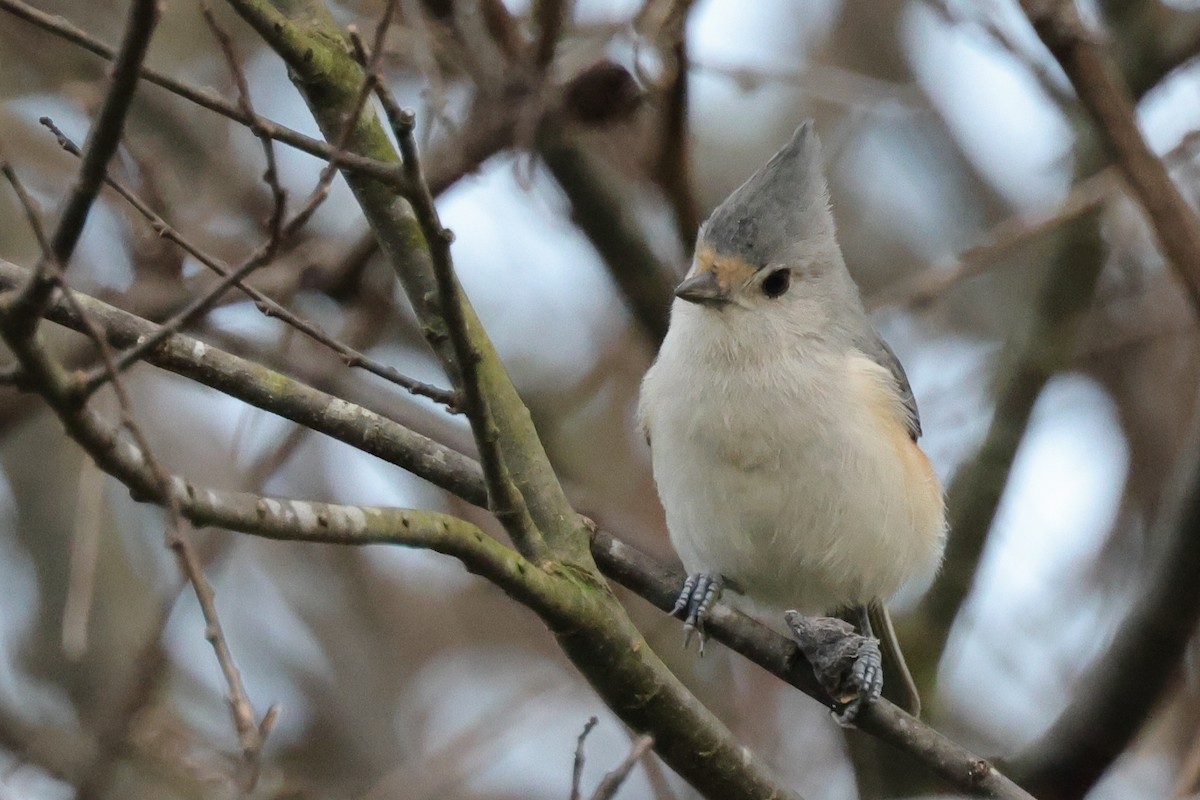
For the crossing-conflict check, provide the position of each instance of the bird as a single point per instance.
(783, 435)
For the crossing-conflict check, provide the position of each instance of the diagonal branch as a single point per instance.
(271, 391)
(50, 380)
(672, 169)
(206, 98)
(1030, 361)
(645, 282)
(278, 518)
(462, 476)
(1124, 685)
(266, 304)
(1109, 102)
(504, 499)
(102, 142)
(271, 175)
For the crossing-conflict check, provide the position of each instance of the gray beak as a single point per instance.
(703, 288)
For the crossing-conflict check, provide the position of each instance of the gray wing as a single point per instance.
(879, 352)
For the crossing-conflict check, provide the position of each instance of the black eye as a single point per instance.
(777, 283)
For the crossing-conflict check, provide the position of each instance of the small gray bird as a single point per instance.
(784, 432)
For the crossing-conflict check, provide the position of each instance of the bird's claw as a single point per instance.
(848, 665)
(867, 675)
(694, 603)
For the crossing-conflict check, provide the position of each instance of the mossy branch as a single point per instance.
(367, 431)
(325, 72)
(596, 633)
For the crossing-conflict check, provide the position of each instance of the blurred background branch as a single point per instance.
(573, 147)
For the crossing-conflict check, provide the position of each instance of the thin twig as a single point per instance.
(102, 142)
(933, 281)
(673, 164)
(19, 337)
(504, 499)
(267, 305)
(577, 766)
(1091, 193)
(610, 783)
(29, 206)
(841, 87)
(386, 173)
(271, 175)
(1050, 83)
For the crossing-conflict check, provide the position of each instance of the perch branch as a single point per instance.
(283, 519)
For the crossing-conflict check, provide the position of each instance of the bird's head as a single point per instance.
(771, 248)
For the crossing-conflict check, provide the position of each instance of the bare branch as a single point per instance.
(271, 391)
(673, 165)
(504, 498)
(268, 306)
(278, 518)
(380, 171)
(50, 381)
(287, 519)
(271, 176)
(611, 782)
(577, 766)
(33, 213)
(102, 141)
(1108, 100)
(1124, 685)
(932, 282)
(608, 786)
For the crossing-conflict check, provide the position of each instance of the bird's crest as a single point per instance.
(781, 206)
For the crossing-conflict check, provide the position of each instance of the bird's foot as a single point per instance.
(695, 600)
(847, 664)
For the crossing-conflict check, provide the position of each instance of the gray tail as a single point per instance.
(898, 684)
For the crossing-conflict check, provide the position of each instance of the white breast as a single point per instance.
(791, 474)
